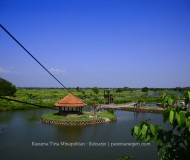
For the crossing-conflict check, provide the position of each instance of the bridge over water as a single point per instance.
(114, 106)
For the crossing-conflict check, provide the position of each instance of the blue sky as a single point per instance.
(103, 43)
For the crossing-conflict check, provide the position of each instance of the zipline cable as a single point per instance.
(34, 58)
(37, 105)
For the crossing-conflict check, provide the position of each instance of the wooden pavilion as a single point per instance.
(70, 103)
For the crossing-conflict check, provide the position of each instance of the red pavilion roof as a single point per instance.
(70, 101)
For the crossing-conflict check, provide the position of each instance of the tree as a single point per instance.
(179, 89)
(119, 90)
(141, 102)
(95, 90)
(78, 88)
(95, 103)
(6, 88)
(174, 143)
(83, 96)
(31, 97)
(145, 89)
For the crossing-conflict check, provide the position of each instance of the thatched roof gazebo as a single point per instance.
(70, 103)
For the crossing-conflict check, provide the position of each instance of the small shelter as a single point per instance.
(70, 103)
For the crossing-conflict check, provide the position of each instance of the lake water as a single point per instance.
(21, 128)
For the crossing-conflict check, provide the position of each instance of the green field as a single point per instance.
(47, 97)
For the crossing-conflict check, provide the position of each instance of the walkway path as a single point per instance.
(114, 106)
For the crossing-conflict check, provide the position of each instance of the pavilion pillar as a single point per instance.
(60, 109)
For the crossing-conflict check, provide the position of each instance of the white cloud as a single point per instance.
(57, 71)
(8, 70)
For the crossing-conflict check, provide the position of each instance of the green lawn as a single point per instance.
(78, 118)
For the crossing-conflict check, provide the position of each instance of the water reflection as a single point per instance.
(69, 133)
(6, 117)
(32, 115)
(136, 116)
(21, 129)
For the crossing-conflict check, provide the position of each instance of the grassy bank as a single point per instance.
(78, 118)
